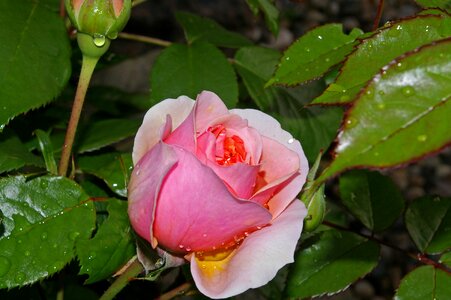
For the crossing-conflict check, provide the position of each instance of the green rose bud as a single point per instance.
(97, 22)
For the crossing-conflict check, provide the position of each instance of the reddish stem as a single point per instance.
(422, 258)
(377, 19)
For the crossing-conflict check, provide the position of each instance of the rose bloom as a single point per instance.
(217, 188)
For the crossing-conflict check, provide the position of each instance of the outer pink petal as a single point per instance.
(196, 211)
(144, 186)
(149, 133)
(270, 127)
(209, 108)
(256, 261)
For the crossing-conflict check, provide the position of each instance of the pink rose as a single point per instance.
(217, 188)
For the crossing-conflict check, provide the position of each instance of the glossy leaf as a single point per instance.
(106, 132)
(313, 54)
(41, 225)
(446, 259)
(199, 28)
(36, 41)
(46, 148)
(378, 50)
(330, 262)
(372, 198)
(113, 168)
(110, 248)
(14, 154)
(428, 221)
(189, 70)
(395, 119)
(445, 4)
(425, 282)
(315, 127)
(270, 12)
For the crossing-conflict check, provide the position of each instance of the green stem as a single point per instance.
(138, 2)
(131, 272)
(87, 68)
(144, 39)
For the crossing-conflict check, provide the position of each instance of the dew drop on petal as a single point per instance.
(291, 141)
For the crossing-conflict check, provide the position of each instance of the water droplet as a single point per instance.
(20, 277)
(287, 58)
(369, 92)
(188, 249)
(204, 266)
(73, 235)
(99, 40)
(351, 122)
(307, 49)
(19, 241)
(427, 28)
(320, 37)
(27, 253)
(327, 59)
(58, 265)
(5, 265)
(204, 235)
(291, 141)
(92, 255)
(55, 245)
(181, 246)
(113, 35)
(399, 27)
(246, 233)
(422, 138)
(44, 184)
(408, 91)
(114, 184)
(138, 171)
(44, 236)
(381, 105)
(259, 227)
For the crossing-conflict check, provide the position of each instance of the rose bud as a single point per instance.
(218, 188)
(98, 21)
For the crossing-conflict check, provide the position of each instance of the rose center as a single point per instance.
(233, 149)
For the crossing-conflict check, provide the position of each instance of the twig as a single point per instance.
(144, 39)
(422, 258)
(377, 19)
(178, 291)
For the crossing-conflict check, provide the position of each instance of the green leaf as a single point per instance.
(445, 4)
(378, 50)
(425, 282)
(446, 259)
(314, 54)
(428, 221)
(191, 69)
(46, 148)
(106, 132)
(110, 248)
(14, 155)
(43, 218)
(330, 262)
(34, 55)
(372, 198)
(395, 119)
(315, 127)
(199, 28)
(269, 10)
(113, 168)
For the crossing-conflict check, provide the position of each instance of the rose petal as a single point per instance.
(117, 6)
(148, 134)
(239, 177)
(270, 127)
(209, 107)
(144, 185)
(196, 211)
(256, 261)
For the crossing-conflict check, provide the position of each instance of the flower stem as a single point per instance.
(178, 291)
(377, 19)
(131, 272)
(144, 39)
(87, 69)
